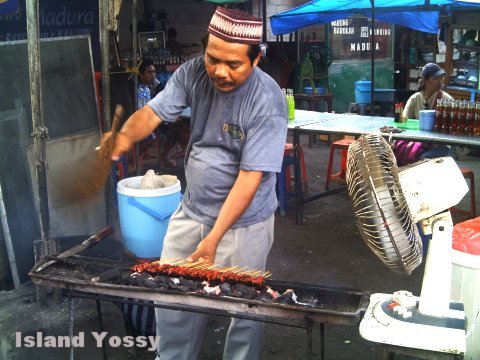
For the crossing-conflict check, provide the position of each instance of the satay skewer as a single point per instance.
(208, 272)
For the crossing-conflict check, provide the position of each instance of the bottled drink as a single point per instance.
(462, 114)
(476, 117)
(454, 117)
(143, 96)
(146, 95)
(447, 115)
(139, 97)
(284, 91)
(439, 110)
(469, 118)
(291, 104)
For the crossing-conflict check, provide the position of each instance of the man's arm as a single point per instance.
(136, 128)
(237, 202)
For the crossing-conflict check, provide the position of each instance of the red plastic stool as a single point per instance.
(472, 212)
(121, 167)
(303, 169)
(340, 176)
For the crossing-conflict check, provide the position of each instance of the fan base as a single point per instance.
(441, 334)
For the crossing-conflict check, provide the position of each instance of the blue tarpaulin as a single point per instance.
(8, 6)
(415, 14)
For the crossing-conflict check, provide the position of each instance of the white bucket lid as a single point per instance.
(131, 187)
(466, 260)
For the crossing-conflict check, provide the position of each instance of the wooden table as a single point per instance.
(313, 100)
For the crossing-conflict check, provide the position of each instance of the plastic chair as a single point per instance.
(342, 145)
(472, 212)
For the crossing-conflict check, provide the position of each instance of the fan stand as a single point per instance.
(433, 323)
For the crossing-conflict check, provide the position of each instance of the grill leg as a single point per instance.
(322, 341)
(100, 320)
(298, 176)
(70, 325)
(309, 342)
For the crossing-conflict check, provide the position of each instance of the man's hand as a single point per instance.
(136, 128)
(237, 202)
(121, 146)
(206, 251)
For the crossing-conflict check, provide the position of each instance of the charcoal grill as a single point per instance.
(340, 306)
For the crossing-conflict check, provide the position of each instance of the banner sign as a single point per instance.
(8, 6)
(57, 18)
(351, 39)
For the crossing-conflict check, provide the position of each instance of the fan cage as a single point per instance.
(382, 214)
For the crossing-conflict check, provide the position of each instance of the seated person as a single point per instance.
(430, 89)
(147, 76)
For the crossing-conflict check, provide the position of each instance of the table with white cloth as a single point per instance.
(356, 125)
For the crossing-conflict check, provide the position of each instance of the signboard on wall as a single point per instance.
(351, 39)
(57, 18)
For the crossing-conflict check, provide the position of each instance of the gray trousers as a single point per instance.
(181, 333)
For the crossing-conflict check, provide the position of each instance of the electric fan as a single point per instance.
(388, 202)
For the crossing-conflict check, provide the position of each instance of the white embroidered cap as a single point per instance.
(236, 26)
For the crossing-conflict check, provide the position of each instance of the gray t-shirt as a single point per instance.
(244, 129)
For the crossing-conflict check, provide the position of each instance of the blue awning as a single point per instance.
(422, 15)
(8, 6)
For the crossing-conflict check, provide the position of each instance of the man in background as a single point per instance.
(176, 48)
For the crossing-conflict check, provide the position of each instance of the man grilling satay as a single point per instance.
(238, 132)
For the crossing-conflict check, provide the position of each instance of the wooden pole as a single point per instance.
(105, 55)
(40, 132)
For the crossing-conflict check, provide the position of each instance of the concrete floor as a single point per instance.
(327, 249)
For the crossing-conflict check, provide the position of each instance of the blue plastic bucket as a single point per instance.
(309, 91)
(144, 215)
(363, 90)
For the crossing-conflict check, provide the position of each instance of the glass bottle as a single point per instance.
(462, 114)
(476, 117)
(454, 117)
(439, 110)
(284, 91)
(291, 105)
(469, 118)
(447, 115)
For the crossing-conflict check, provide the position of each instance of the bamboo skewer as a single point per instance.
(214, 267)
